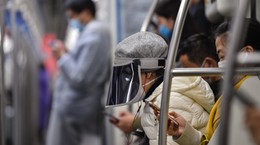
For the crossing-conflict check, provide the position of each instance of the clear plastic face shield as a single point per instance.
(126, 83)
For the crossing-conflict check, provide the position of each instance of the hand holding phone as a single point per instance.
(58, 48)
(157, 111)
(112, 118)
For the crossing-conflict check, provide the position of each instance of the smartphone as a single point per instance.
(53, 44)
(171, 118)
(112, 118)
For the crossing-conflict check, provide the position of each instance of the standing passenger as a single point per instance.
(76, 116)
(166, 13)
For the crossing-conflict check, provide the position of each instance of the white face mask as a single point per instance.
(222, 63)
(151, 81)
(141, 92)
(203, 63)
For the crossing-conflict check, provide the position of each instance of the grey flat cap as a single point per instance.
(142, 45)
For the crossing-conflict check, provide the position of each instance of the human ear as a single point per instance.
(248, 49)
(148, 75)
(170, 22)
(210, 62)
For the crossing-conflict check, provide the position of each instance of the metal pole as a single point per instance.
(2, 89)
(149, 16)
(211, 71)
(184, 7)
(15, 88)
(236, 39)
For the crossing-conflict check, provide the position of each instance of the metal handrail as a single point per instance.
(2, 88)
(184, 7)
(16, 123)
(211, 71)
(249, 58)
(148, 18)
(236, 40)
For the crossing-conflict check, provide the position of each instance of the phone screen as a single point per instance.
(170, 118)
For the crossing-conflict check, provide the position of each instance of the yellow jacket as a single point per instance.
(193, 137)
(214, 116)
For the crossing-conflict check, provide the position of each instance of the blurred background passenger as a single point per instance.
(199, 51)
(197, 12)
(76, 116)
(166, 13)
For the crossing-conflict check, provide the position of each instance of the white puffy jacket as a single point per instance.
(190, 97)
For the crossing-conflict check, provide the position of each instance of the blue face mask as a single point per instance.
(165, 32)
(76, 24)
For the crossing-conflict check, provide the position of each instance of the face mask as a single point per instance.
(142, 93)
(76, 24)
(207, 79)
(222, 63)
(165, 32)
(151, 81)
(236, 78)
(203, 63)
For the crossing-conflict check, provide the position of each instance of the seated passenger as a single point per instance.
(199, 51)
(184, 134)
(190, 96)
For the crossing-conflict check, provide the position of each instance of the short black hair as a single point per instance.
(252, 34)
(197, 47)
(168, 8)
(78, 6)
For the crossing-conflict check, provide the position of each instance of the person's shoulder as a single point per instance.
(96, 29)
(97, 25)
(187, 82)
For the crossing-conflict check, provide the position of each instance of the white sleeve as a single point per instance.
(190, 136)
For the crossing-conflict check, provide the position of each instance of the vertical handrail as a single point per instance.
(16, 123)
(175, 40)
(238, 25)
(148, 18)
(2, 88)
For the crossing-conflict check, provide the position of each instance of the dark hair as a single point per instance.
(252, 33)
(78, 6)
(197, 47)
(169, 9)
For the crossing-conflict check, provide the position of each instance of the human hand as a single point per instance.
(176, 130)
(253, 123)
(125, 121)
(58, 48)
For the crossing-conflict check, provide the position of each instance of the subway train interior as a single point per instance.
(129, 72)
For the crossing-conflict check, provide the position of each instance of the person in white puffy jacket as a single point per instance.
(190, 96)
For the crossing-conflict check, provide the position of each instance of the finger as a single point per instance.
(158, 116)
(123, 113)
(174, 114)
(113, 121)
(175, 124)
